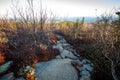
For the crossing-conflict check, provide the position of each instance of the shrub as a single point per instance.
(2, 58)
(3, 49)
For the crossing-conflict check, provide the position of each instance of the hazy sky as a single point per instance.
(71, 8)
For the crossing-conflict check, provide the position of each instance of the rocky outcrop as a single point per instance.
(5, 67)
(57, 69)
(9, 76)
(68, 65)
(20, 78)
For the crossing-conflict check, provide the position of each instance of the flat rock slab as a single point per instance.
(57, 69)
(5, 67)
(20, 78)
(9, 76)
(69, 54)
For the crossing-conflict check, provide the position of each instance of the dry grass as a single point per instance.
(98, 41)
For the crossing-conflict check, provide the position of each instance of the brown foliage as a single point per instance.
(48, 54)
(30, 76)
(3, 48)
(53, 39)
(2, 58)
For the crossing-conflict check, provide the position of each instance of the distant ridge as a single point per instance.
(87, 19)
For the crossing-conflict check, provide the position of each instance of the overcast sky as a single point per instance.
(70, 8)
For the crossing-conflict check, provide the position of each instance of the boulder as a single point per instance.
(59, 47)
(20, 78)
(68, 54)
(5, 67)
(66, 45)
(59, 37)
(82, 68)
(85, 73)
(9, 76)
(62, 41)
(85, 61)
(88, 67)
(57, 69)
(77, 63)
(84, 78)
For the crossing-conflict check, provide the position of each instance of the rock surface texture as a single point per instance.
(9, 76)
(5, 67)
(57, 69)
(66, 66)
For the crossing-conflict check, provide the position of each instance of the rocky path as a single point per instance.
(66, 66)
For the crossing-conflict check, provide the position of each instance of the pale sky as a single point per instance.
(70, 8)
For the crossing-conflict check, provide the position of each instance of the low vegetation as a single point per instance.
(25, 41)
(97, 41)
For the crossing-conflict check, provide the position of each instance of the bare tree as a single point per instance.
(109, 50)
(108, 39)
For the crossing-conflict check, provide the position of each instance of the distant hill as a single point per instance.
(87, 19)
